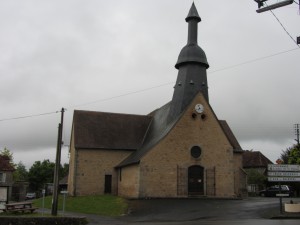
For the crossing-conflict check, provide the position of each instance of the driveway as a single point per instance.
(199, 211)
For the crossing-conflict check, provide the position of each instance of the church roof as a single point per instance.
(100, 130)
(255, 159)
(229, 134)
(159, 128)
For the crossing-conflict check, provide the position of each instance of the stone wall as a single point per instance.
(159, 168)
(128, 183)
(91, 166)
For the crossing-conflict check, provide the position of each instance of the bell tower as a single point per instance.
(191, 65)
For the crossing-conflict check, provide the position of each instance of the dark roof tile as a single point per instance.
(99, 130)
(255, 159)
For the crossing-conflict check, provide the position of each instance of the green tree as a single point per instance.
(291, 155)
(40, 173)
(20, 174)
(9, 154)
(64, 170)
(255, 176)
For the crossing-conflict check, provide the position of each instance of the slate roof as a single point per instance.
(255, 159)
(5, 165)
(158, 129)
(232, 139)
(99, 130)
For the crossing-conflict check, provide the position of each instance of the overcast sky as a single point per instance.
(112, 55)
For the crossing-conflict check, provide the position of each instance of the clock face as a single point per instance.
(199, 108)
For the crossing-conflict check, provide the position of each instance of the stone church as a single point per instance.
(179, 150)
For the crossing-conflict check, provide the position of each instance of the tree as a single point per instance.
(256, 177)
(291, 155)
(9, 154)
(20, 174)
(40, 173)
(64, 170)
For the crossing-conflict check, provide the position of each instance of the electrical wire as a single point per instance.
(150, 88)
(29, 116)
(253, 60)
(283, 26)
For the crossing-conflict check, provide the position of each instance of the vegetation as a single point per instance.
(39, 174)
(9, 154)
(20, 174)
(106, 205)
(256, 177)
(291, 155)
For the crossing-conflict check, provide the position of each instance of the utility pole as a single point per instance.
(296, 127)
(57, 165)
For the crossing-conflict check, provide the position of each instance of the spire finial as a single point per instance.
(193, 14)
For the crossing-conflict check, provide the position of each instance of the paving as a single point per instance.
(197, 211)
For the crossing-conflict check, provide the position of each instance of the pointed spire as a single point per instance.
(191, 65)
(193, 14)
(192, 53)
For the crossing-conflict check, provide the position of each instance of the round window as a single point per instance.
(196, 151)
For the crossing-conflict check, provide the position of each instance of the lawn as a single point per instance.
(106, 205)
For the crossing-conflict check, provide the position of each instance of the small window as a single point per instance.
(196, 152)
(2, 177)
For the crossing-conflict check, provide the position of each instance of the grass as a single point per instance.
(106, 205)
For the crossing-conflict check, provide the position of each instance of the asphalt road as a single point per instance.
(200, 211)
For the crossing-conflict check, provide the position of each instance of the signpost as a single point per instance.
(283, 173)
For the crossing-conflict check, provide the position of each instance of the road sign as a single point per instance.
(283, 167)
(285, 179)
(282, 195)
(284, 174)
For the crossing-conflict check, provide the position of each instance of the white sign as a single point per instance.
(284, 174)
(287, 179)
(283, 167)
(282, 195)
(64, 192)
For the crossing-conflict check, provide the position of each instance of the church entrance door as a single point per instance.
(195, 180)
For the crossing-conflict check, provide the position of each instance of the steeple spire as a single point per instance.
(191, 65)
(193, 19)
(192, 52)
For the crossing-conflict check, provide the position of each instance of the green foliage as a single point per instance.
(291, 155)
(20, 174)
(64, 170)
(106, 205)
(9, 154)
(40, 173)
(256, 177)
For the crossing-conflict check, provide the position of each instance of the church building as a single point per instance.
(179, 150)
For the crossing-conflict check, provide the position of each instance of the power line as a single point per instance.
(284, 28)
(122, 95)
(150, 88)
(253, 60)
(28, 116)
